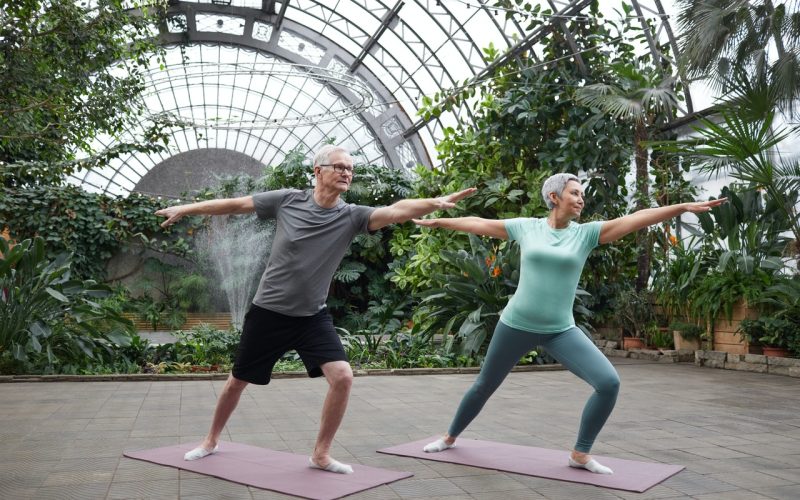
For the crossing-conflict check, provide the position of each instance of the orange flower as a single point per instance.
(673, 240)
(490, 260)
(496, 272)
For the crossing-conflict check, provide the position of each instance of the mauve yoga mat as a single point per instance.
(628, 475)
(271, 470)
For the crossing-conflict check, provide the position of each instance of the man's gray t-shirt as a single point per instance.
(309, 244)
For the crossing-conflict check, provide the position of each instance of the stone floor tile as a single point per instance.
(143, 489)
(425, 488)
(751, 479)
(82, 491)
(487, 483)
(726, 427)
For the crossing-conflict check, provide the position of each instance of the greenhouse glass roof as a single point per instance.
(266, 77)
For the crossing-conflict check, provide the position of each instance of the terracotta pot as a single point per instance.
(632, 343)
(776, 352)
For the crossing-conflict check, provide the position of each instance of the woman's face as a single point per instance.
(571, 200)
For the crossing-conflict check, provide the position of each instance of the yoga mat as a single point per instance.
(271, 470)
(628, 475)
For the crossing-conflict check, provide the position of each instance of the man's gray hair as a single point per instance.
(556, 184)
(323, 155)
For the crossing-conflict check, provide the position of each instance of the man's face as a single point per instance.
(337, 174)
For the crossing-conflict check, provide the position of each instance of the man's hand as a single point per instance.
(173, 215)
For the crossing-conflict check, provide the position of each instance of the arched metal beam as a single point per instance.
(251, 16)
(523, 45)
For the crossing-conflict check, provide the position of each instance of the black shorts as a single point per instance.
(268, 335)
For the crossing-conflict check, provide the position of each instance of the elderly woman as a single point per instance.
(553, 253)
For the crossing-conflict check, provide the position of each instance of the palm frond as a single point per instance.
(659, 99)
(785, 75)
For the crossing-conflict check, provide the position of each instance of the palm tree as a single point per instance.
(721, 36)
(743, 143)
(645, 99)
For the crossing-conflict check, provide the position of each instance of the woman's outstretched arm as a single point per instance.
(475, 225)
(622, 226)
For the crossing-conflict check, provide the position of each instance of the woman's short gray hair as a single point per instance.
(323, 156)
(556, 184)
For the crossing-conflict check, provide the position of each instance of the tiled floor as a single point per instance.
(737, 433)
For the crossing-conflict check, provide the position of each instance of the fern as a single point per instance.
(349, 271)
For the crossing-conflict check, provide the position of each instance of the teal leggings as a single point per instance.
(572, 349)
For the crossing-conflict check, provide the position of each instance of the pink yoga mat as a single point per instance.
(629, 475)
(271, 470)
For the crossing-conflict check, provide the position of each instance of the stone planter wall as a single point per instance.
(612, 349)
(748, 362)
(726, 339)
(712, 359)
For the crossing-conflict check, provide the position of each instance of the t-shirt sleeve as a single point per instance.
(591, 234)
(514, 227)
(360, 215)
(267, 203)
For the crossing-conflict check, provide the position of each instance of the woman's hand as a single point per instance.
(450, 200)
(426, 222)
(704, 206)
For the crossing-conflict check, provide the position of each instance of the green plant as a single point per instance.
(205, 345)
(633, 311)
(168, 292)
(642, 96)
(47, 319)
(60, 69)
(782, 300)
(658, 338)
(770, 331)
(679, 273)
(718, 292)
(471, 296)
(742, 145)
(93, 227)
(758, 37)
(689, 331)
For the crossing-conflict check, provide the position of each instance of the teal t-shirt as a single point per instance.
(551, 262)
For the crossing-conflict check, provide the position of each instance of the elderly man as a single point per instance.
(313, 231)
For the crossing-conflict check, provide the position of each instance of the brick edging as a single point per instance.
(150, 377)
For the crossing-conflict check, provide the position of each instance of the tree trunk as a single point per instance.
(642, 201)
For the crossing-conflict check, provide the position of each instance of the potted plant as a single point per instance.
(634, 312)
(686, 335)
(774, 334)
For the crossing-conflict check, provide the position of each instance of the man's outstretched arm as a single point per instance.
(405, 210)
(225, 206)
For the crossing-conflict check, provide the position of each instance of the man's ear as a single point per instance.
(554, 197)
